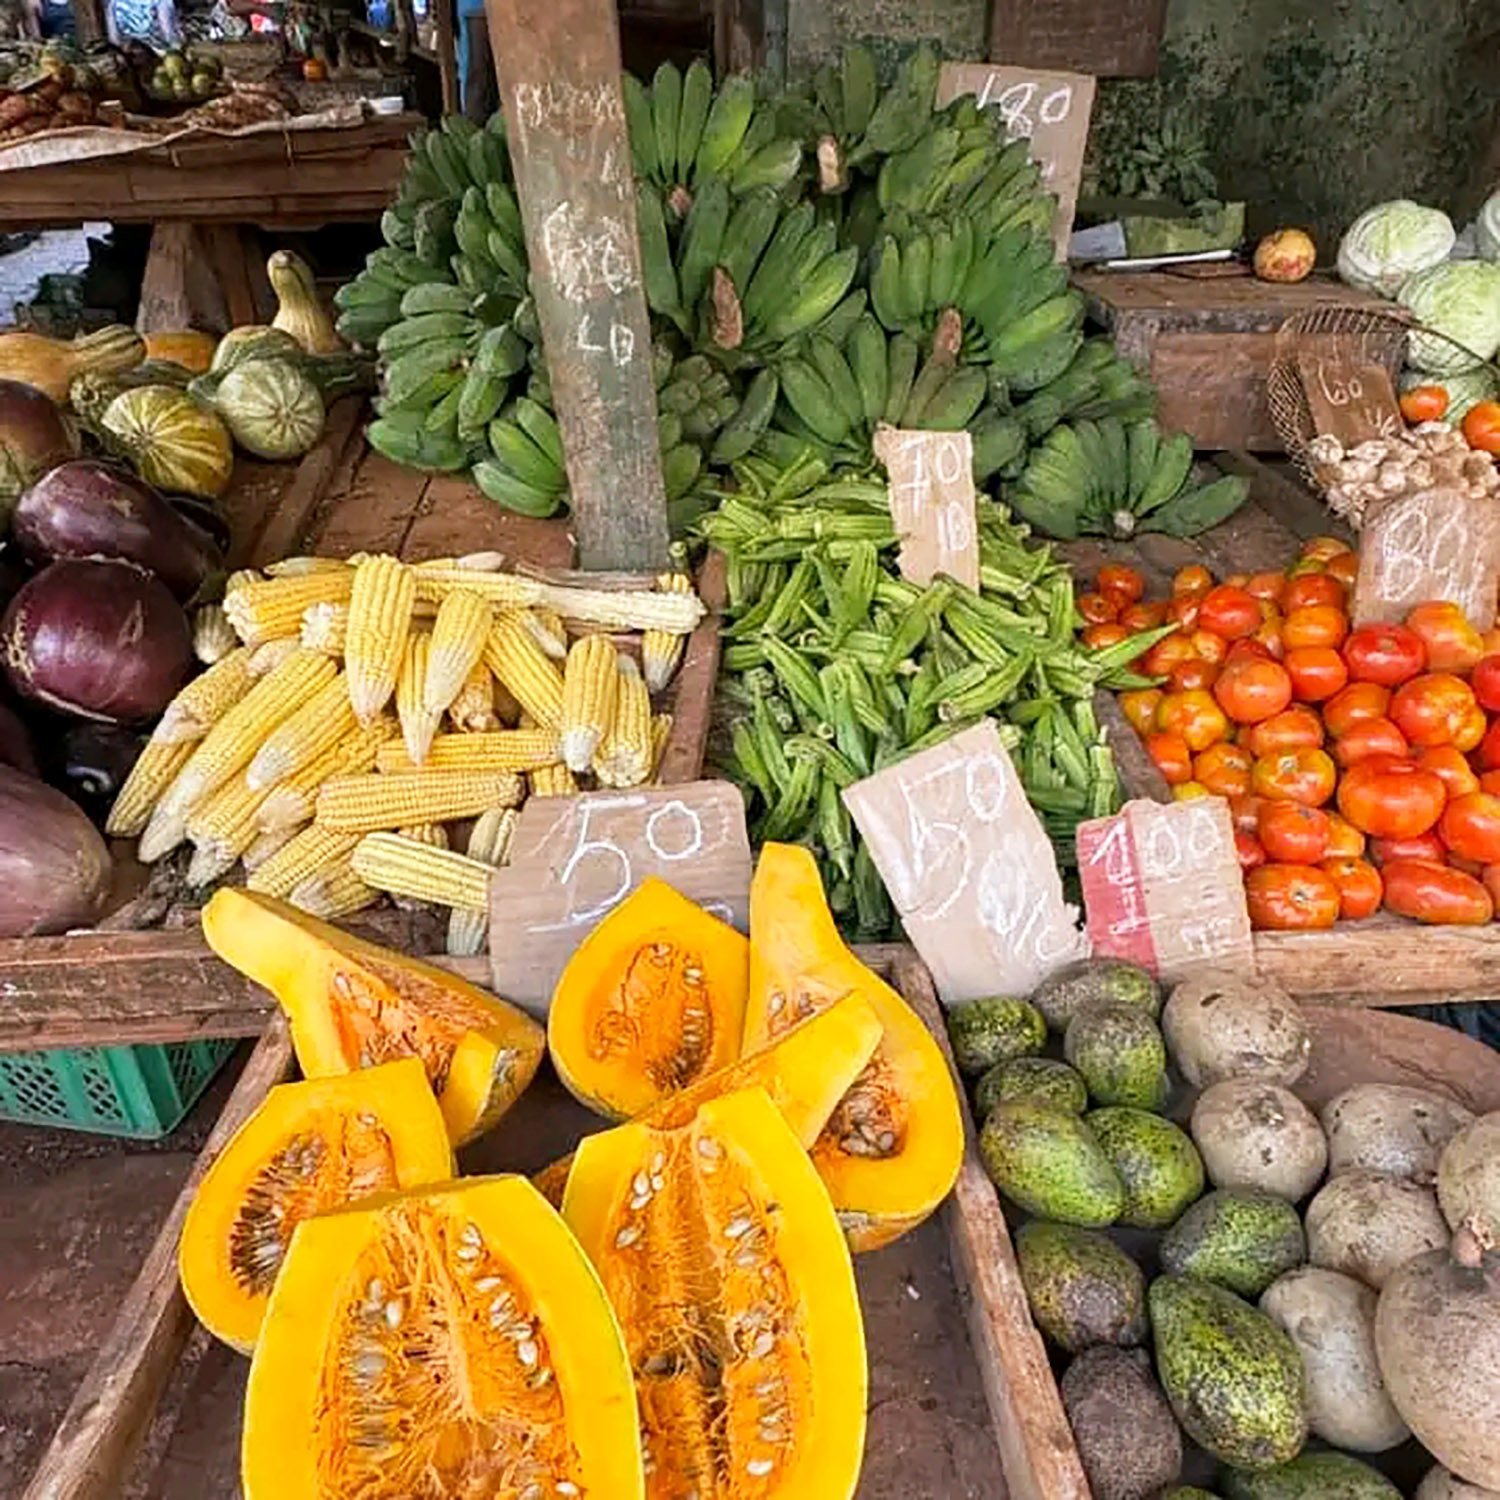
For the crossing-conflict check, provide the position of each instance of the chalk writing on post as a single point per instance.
(968, 866)
(574, 859)
(931, 489)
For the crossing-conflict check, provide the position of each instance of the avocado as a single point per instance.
(1119, 1051)
(1064, 993)
(1242, 1238)
(1127, 1437)
(1040, 1078)
(1157, 1162)
(1313, 1476)
(993, 1029)
(1082, 1288)
(1233, 1377)
(1186, 1492)
(1049, 1164)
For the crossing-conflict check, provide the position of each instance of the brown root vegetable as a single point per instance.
(1255, 1134)
(99, 639)
(33, 438)
(1439, 1484)
(54, 867)
(1127, 1437)
(1390, 1128)
(1368, 1225)
(1468, 1180)
(1222, 1025)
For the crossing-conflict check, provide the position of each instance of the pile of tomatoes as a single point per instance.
(1361, 765)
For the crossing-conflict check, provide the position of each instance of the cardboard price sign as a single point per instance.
(1350, 400)
(931, 487)
(1435, 544)
(969, 866)
(1050, 109)
(574, 859)
(1162, 887)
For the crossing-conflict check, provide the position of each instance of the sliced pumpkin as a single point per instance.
(448, 1342)
(891, 1150)
(721, 1255)
(651, 1001)
(805, 1070)
(353, 1004)
(310, 1147)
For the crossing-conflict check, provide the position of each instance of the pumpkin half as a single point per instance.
(651, 1001)
(726, 1268)
(891, 1150)
(447, 1343)
(806, 1071)
(310, 1147)
(353, 1004)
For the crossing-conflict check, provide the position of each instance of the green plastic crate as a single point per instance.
(138, 1092)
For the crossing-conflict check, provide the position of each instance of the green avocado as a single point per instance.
(1233, 1377)
(1066, 992)
(1082, 1288)
(993, 1030)
(1186, 1492)
(1049, 1164)
(1157, 1162)
(1038, 1078)
(1313, 1476)
(1119, 1051)
(1242, 1238)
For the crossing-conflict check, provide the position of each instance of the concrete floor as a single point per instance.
(80, 1212)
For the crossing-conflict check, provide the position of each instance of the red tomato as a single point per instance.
(1432, 709)
(1139, 707)
(1453, 645)
(1249, 690)
(1450, 766)
(1143, 615)
(1266, 586)
(1426, 846)
(1481, 426)
(1387, 654)
(1470, 826)
(1434, 893)
(1344, 839)
(1224, 769)
(1315, 625)
(1247, 645)
(1182, 611)
(1359, 700)
(1295, 728)
(1490, 878)
(1171, 756)
(1190, 674)
(1468, 866)
(1097, 609)
(1359, 883)
(1245, 811)
(1269, 636)
(1291, 898)
(1424, 403)
(1491, 639)
(1248, 850)
(1344, 567)
(1489, 781)
(1236, 580)
(1165, 655)
(1109, 633)
(1195, 716)
(1369, 737)
(1489, 749)
(1305, 776)
(1391, 798)
(1193, 579)
(1317, 672)
(1209, 646)
(1230, 612)
(1293, 833)
(1323, 548)
(1485, 680)
(1471, 731)
(1117, 578)
(1312, 588)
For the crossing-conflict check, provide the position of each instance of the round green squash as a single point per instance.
(272, 408)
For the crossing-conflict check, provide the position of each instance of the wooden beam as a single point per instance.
(739, 36)
(447, 54)
(558, 62)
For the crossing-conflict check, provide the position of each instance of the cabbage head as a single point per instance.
(1464, 391)
(1392, 241)
(1460, 298)
(1487, 229)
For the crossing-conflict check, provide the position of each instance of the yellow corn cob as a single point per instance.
(206, 699)
(228, 746)
(367, 803)
(634, 609)
(434, 835)
(553, 781)
(380, 612)
(165, 829)
(478, 562)
(519, 664)
(298, 567)
(207, 864)
(404, 867)
(312, 850)
(624, 756)
(418, 725)
(503, 590)
(270, 655)
(213, 635)
(268, 608)
(325, 628)
(292, 801)
(590, 684)
(317, 726)
(154, 770)
(240, 577)
(264, 845)
(547, 627)
(489, 842)
(458, 636)
(332, 893)
(473, 708)
(661, 650)
(661, 732)
(499, 750)
(227, 817)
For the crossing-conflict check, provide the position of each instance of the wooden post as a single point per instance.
(558, 62)
(447, 54)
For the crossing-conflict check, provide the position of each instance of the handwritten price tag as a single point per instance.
(574, 859)
(931, 485)
(969, 867)
(1349, 400)
(1162, 887)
